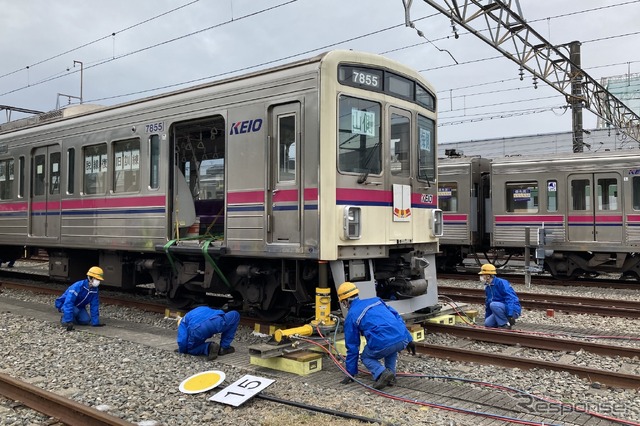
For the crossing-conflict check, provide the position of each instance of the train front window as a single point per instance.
(359, 142)
(400, 145)
(426, 150)
(95, 169)
(448, 196)
(126, 166)
(522, 197)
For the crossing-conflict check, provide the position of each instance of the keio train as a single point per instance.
(259, 192)
(582, 210)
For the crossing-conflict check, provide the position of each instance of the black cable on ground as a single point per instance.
(319, 409)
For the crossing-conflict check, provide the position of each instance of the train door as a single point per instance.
(595, 209)
(284, 201)
(44, 206)
(400, 177)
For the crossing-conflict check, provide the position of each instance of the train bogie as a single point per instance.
(251, 191)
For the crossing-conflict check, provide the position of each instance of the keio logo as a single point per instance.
(246, 126)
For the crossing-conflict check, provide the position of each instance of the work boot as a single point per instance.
(505, 327)
(226, 351)
(384, 379)
(213, 351)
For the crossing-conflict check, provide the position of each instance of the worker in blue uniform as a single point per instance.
(202, 323)
(502, 306)
(383, 328)
(74, 300)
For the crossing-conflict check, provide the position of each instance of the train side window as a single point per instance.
(400, 145)
(95, 169)
(581, 194)
(426, 150)
(359, 142)
(607, 195)
(126, 166)
(448, 196)
(154, 163)
(287, 148)
(552, 195)
(6, 179)
(636, 192)
(21, 178)
(522, 197)
(39, 174)
(54, 173)
(71, 170)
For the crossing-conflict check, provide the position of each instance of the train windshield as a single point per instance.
(359, 144)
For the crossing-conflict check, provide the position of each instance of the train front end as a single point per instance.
(379, 221)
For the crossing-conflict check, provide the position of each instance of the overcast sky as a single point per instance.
(210, 39)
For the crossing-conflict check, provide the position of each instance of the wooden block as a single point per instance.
(300, 363)
(168, 313)
(472, 314)
(417, 333)
(443, 319)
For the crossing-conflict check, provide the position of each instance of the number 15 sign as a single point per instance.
(238, 392)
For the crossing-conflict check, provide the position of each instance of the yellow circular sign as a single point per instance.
(202, 382)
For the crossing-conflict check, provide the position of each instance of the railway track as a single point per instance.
(550, 281)
(574, 304)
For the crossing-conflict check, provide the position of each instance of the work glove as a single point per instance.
(98, 325)
(512, 321)
(411, 348)
(346, 380)
(68, 325)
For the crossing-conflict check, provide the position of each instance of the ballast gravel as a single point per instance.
(140, 384)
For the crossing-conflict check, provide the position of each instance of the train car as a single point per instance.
(250, 191)
(587, 206)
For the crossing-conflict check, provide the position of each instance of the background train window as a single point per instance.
(426, 150)
(359, 143)
(552, 195)
(448, 196)
(607, 195)
(126, 166)
(287, 148)
(154, 168)
(21, 178)
(581, 194)
(6, 179)
(95, 169)
(71, 170)
(522, 197)
(636, 192)
(54, 173)
(39, 173)
(400, 145)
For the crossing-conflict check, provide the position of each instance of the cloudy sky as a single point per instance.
(161, 45)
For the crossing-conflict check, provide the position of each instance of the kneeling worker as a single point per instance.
(502, 306)
(384, 329)
(202, 323)
(74, 300)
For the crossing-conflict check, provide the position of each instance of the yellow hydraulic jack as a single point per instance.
(323, 319)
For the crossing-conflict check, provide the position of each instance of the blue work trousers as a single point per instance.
(371, 359)
(226, 325)
(498, 316)
(80, 316)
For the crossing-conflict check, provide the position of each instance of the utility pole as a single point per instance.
(576, 98)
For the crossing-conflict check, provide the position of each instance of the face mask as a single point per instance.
(94, 282)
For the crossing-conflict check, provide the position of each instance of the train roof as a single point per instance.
(631, 155)
(330, 57)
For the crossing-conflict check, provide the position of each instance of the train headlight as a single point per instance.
(351, 223)
(437, 223)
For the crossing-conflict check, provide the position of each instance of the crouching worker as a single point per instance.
(74, 300)
(502, 306)
(202, 323)
(384, 329)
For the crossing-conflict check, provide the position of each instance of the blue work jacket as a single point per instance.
(378, 322)
(79, 295)
(501, 291)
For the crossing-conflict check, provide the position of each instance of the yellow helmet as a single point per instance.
(487, 269)
(347, 290)
(96, 272)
